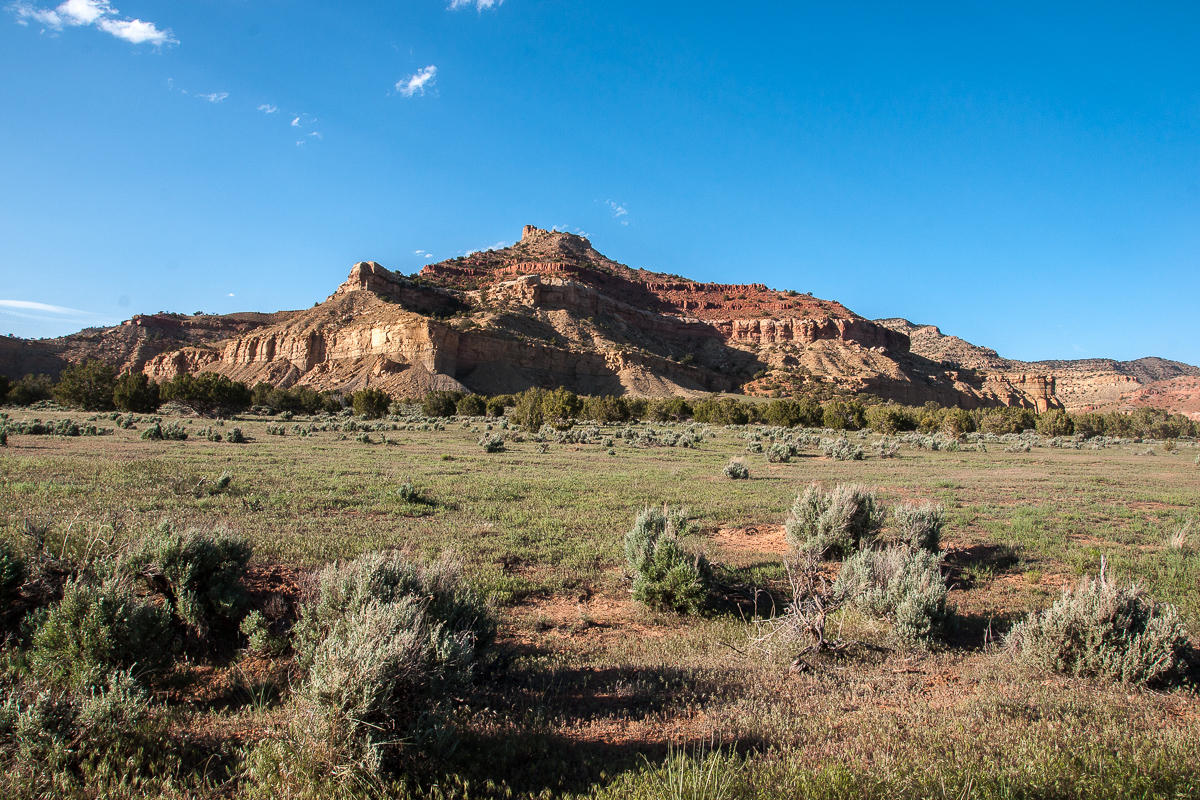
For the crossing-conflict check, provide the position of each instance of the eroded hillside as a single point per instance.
(553, 311)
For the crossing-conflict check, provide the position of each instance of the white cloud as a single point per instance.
(480, 5)
(231, 294)
(296, 122)
(29, 305)
(136, 31)
(215, 97)
(101, 14)
(417, 83)
(267, 108)
(317, 134)
(418, 252)
(617, 209)
(429, 255)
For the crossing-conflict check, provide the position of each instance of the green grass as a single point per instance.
(591, 692)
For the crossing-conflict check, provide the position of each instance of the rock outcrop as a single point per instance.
(1094, 384)
(553, 311)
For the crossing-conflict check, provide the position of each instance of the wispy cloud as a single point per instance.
(317, 134)
(417, 83)
(296, 122)
(618, 211)
(480, 5)
(29, 305)
(45, 312)
(267, 108)
(215, 97)
(98, 13)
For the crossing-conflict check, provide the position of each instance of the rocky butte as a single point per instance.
(553, 311)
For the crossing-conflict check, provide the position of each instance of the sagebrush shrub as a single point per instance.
(834, 523)
(492, 444)
(386, 577)
(12, 575)
(665, 576)
(260, 637)
(383, 642)
(81, 741)
(842, 450)
(918, 526)
(1103, 631)
(198, 572)
(94, 630)
(900, 584)
(779, 453)
(159, 432)
(737, 470)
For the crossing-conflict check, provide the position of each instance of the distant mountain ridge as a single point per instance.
(1083, 384)
(553, 311)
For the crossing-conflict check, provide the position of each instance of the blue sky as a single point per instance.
(1024, 175)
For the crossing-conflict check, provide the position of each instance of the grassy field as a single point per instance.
(591, 693)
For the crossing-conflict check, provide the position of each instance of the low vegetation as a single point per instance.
(298, 627)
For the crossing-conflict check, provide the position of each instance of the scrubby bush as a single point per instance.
(665, 576)
(1055, 423)
(12, 575)
(886, 448)
(606, 409)
(835, 523)
(198, 573)
(1001, 421)
(560, 408)
(843, 415)
(88, 385)
(94, 630)
(492, 444)
(1103, 631)
(134, 391)
(236, 436)
(440, 403)
(918, 526)
(841, 449)
(899, 584)
(793, 413)
(957, 422)
(890, 419)
(104, 742)
(667, 409)
(30, 389)
(527, 409)
(737, 470)
(261, 636)
(371, 403)
(779, 453)
(208, 394)
(160, 432)
(1088, 425)
(472, 405)
(387, 577)
(383, 643)
(496, 405)
(726, 411)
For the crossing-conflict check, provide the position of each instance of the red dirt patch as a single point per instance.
(752, 539)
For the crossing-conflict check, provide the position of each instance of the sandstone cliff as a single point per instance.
(1094, 384)
(553, 311)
